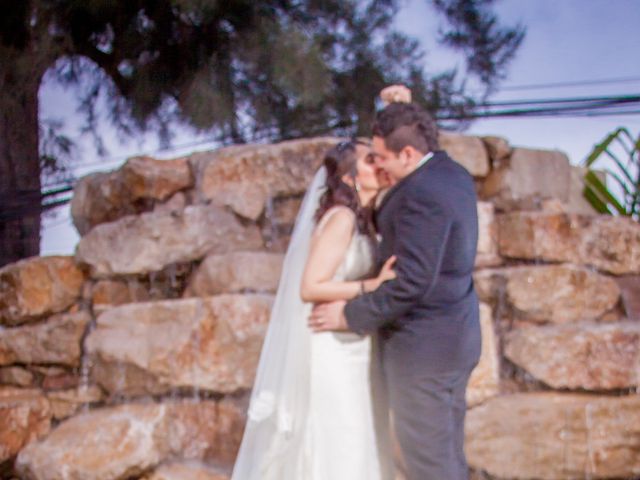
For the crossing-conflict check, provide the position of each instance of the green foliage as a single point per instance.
(55, 150)
(476, 31)
(250, 70)
(241, 70)
(620, 152)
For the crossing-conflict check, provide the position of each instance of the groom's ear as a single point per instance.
(407, 154)
(410, 152)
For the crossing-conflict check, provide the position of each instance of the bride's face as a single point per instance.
(368, 175)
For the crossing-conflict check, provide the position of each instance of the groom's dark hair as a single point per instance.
(406, 124)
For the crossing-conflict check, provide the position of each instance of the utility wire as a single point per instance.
(538, 113)
(17, 212)
(220, 139)
(573, 109)
(551, 101)
(579, 83)
(613, 113)
(533, 113)
(31, 202)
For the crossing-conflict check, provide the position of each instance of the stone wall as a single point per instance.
(134, 359)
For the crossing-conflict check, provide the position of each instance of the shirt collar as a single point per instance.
(424, 160)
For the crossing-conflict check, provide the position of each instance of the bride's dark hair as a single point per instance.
(338, 161)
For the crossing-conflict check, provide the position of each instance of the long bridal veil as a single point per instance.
(273, 443)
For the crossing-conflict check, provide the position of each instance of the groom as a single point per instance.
(427, 318)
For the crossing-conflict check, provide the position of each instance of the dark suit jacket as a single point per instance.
(428, 315)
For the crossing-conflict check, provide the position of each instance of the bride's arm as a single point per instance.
(328, 248)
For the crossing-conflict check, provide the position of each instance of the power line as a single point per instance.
(537, 113)
(35, 195)
(551, 101)
(571, 106)
(564, 111)
(18, 211)
(31, 202)
(220, 139)
(614, 113)
(57, 191)
(578, 83)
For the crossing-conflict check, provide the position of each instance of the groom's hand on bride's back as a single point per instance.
(328, 317)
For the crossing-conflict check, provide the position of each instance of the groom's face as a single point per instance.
(388, 160)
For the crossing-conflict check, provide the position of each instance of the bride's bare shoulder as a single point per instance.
(337, 218)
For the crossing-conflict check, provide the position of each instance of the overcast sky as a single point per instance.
(566, 41)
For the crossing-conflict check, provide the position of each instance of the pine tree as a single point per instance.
(246, 70)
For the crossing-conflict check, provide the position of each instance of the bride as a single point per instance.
(318, 410)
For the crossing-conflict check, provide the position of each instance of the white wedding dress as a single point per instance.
(347, 434)
(317, 409)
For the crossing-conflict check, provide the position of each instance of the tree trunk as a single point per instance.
(20, 196)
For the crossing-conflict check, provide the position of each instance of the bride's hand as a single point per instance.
(387, 272)
(395, 94)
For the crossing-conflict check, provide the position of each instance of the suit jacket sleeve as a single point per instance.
(422, 226)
